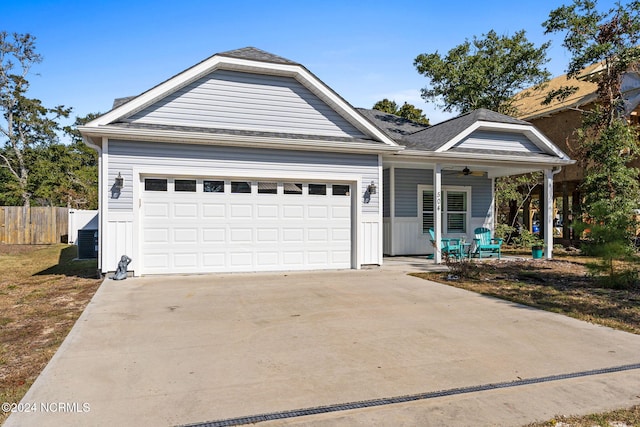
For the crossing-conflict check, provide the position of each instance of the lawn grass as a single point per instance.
(43, 291)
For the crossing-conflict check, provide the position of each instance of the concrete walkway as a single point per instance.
(187, 349)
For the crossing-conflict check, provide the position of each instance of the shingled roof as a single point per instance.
(529, 101)
(256, 54)
(395, 127)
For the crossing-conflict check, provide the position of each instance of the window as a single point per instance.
(427, 210)
(456, 211)
(340, 190)
(240, 187)
(188, 185)
(291, 188)
(213, 186)
(155, 184)
(318, 189)
(267, 188)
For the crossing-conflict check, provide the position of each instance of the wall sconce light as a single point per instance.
(372, 189)
(119, 182)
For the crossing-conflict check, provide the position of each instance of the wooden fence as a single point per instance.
(33, 226)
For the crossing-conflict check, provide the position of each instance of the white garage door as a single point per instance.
(214, 225)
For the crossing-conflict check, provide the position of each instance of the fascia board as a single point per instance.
(535, 135)
(180, 137)
(452, 142)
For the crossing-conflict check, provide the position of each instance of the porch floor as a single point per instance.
(420, 263)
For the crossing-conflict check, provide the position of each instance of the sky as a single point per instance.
(95, 51)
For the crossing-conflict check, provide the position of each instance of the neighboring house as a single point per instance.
(559, 121)
(248, 162)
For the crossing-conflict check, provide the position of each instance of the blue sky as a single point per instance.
(95, 51)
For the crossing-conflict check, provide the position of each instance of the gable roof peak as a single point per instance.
(483, 114)
(255, 54)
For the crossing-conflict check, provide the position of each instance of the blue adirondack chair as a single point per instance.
(449, 247)
(485, 244)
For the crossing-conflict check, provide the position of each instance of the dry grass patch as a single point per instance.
(42, 293)
(560, 285)
(621, 418)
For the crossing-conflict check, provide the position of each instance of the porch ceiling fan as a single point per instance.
(468, 172)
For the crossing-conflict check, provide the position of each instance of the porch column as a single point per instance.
(392, 209)
(437, 211)
(547, 209)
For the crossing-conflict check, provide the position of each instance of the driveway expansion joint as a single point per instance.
(253, 419)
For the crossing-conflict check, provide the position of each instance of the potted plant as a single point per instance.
(529, 240)
(536, 250)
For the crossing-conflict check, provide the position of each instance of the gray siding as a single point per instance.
(215, 161)
(502, 141)
(236, 100)
(386, 193)
(480, 192)
(407, 181)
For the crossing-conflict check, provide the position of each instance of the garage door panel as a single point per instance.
(182, 260)
(156, 210)
(292, 235)
(318, 235)
(293, 211)
(241, 211)
(241, 235)
(199, 232)
(156, 235)
(315, 211)
(340, 234)
(292, 258)
(214, 235)
(214, 260)
(268, 259)
(156, 261)
(267, 235)
(241, 259)
(268, 212)
(341, 257)
(185, 235)
(213, 210)
(185, 210)
(340, 212)
(318, 257)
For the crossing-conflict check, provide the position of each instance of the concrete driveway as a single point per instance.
(190, 349)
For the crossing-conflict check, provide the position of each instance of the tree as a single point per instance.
(27, 123)
(592, 37)
(407, 111)
(483, 73)
(608, 143)
(511, 194)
